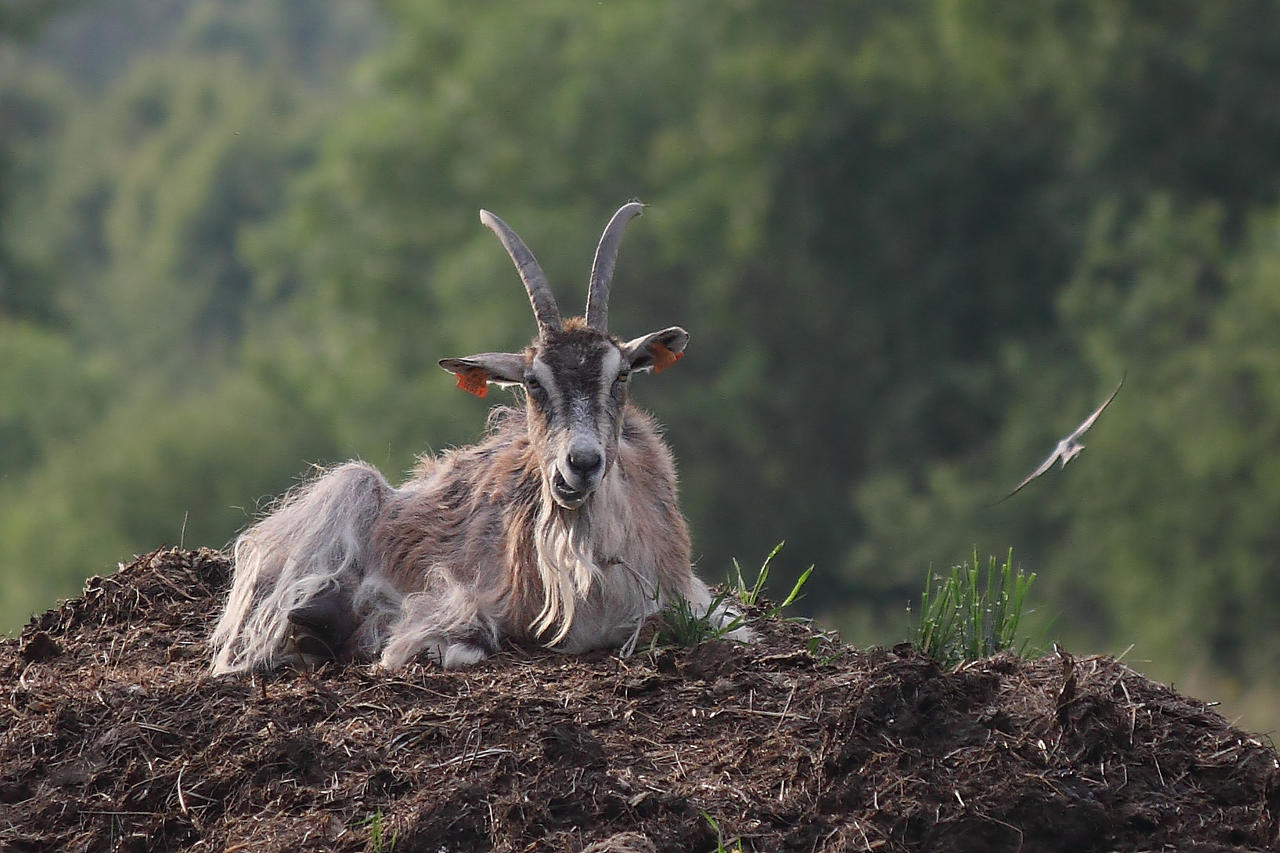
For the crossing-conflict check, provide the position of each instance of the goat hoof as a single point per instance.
(322, 626)
(324, 613)
(312, 648)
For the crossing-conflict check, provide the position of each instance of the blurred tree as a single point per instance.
(1162, 535)
(46, 395)
(179, 474)
(32, 111)
(22, 19)
(123, 292)
(1192, 318)
(142, 220)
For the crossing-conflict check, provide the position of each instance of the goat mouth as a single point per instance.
(566, 495)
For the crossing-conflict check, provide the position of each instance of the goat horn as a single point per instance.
(535, 280)
(602, 269)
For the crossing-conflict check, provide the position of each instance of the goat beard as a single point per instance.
(566, 566)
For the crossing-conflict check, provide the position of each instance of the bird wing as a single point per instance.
(1044, 466)
(1088, 422)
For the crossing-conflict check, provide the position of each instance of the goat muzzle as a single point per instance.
(566, 494)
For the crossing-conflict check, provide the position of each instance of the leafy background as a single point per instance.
(915, 242)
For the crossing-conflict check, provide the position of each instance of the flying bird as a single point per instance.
(1069, 447)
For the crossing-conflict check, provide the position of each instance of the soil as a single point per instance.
(113, 736)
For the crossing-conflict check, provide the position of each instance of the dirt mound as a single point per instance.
(114, 737)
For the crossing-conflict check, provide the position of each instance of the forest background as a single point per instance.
(915, 244)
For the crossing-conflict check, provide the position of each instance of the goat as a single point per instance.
(560, 527)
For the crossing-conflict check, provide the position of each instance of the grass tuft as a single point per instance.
(749, 593)
(966, 618)
(682, 625)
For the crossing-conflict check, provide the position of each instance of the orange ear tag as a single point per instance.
(663, 357)
(474, 381)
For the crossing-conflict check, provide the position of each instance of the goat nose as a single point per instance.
(584, 462)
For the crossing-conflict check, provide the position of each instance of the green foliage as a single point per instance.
(967, 616)
(47, 394)
(749, 592)
(22, 19)
(195, 469)
(162, 176)
(683, 625)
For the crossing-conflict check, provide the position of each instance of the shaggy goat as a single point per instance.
(561, 526)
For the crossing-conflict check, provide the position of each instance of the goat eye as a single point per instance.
(535, 390)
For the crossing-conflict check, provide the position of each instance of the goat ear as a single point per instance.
(475, 372)
(656, 351)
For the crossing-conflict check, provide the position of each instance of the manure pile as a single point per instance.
(114, 737)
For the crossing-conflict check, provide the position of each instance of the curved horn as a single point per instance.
(602, 269)
(535, 280)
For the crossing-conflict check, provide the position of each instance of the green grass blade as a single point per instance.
(795, 590)
(969, 614)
